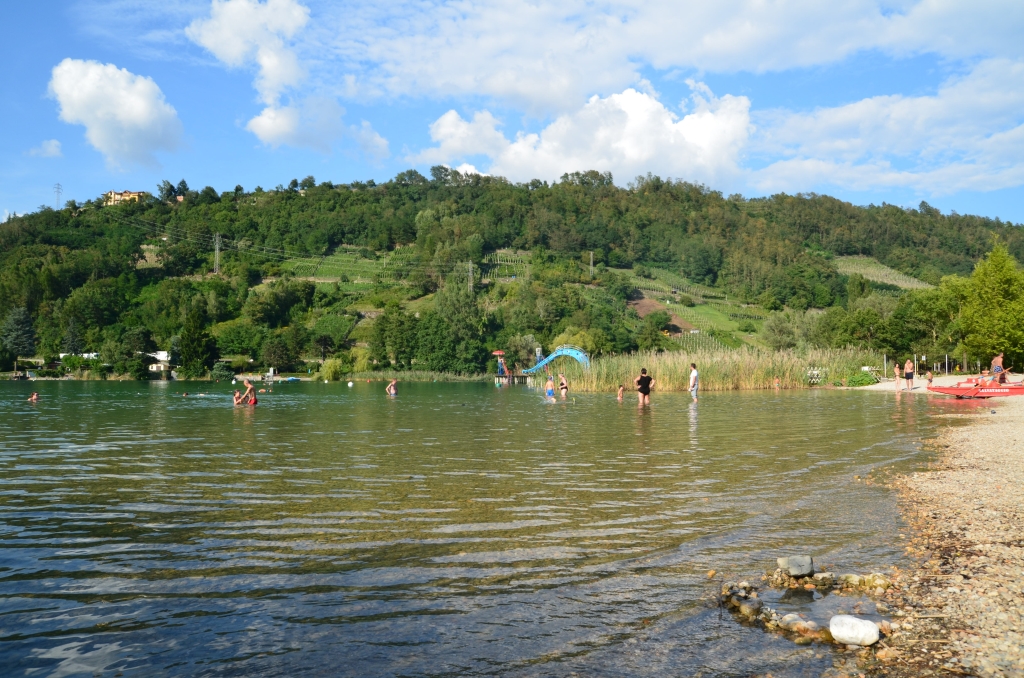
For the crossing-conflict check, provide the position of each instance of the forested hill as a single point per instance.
(775, 251)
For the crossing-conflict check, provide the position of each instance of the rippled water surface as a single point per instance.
(458, 529)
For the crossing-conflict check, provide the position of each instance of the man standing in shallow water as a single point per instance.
(694, 381)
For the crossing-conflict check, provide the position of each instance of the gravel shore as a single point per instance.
(965, 601)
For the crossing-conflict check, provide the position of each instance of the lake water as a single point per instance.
(458, 529)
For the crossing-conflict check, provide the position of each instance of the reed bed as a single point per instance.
(721, 370)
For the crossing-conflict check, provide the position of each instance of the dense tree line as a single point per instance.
(86, 281)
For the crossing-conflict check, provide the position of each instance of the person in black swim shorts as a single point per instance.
(908, 374)
(644, 384)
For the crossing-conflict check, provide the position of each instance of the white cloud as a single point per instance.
(551, 56)
(48, 149)
(627, 134)
(967, 136)
(314, 123)
(240, 32)
(374, 146)
(125, 115)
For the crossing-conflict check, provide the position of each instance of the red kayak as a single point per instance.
(972, 389)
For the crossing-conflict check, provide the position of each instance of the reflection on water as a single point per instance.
(455, 529)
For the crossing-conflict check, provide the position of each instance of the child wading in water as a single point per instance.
(622, 389)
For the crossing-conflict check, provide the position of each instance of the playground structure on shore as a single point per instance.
(525, 376)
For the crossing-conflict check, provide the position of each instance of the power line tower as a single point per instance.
(216, 253)
(58, 191)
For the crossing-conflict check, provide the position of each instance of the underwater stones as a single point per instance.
(797, 566)
(849, 630)
(789, 622)
(749, 607)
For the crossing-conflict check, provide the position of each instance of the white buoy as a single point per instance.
(325, 381)
(350, 384)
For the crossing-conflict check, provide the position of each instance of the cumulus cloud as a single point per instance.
(968, 135)
(629, 133)
(125, 115)
(48, 149)
(243, 32)
(314, 123)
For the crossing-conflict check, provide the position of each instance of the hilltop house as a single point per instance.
(115, 198)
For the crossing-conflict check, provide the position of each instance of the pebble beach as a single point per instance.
(965, 600)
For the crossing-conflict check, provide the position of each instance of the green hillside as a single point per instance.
(439, 272)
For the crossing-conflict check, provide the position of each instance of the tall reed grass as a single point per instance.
(401, 375)
(720, 370)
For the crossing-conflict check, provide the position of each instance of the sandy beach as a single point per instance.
(960, 611)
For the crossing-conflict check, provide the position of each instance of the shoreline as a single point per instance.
(965, 595)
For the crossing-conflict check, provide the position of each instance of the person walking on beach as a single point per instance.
(896, 375)
(908, 374)
(644, 384)
(929, 376)
(563, 385)
(694, 381)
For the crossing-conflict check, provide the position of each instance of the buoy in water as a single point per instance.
(325, 381)
(350, 384)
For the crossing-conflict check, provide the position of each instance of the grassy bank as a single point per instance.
(721, 370)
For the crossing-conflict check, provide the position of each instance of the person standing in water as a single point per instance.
(392, 388)
(694, 381)
(622, 389)
(563, 385)
(549, 389)
(237, 398)
(249, 397)
(644, 384)
(908, 374)
(34, 398)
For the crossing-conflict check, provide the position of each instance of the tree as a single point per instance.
(992, 315)
(198, 350)
(166, 191)
(73, 343)
(779, 332)
(17, 334)
(181, 189)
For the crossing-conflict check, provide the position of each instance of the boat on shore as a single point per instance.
(978, 387)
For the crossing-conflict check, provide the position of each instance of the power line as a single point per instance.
(58, 191)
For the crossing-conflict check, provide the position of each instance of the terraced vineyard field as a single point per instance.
(875, 271)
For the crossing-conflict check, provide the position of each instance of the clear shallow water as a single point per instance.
(458, 529)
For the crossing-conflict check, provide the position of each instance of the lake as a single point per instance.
(458, 529)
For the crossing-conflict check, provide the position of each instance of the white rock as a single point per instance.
(849, 630)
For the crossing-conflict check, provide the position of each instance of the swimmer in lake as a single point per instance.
(644, 384)
(563, 385)
(392, 388)
(622, 389)
(34, 398)
(238, 397)
(549, 390)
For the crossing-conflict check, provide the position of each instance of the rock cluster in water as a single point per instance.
(798, 572)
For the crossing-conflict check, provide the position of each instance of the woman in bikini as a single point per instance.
(563, 385)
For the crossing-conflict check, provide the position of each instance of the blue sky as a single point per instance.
(871, 102)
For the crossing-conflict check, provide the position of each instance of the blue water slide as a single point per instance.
(574, 352)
